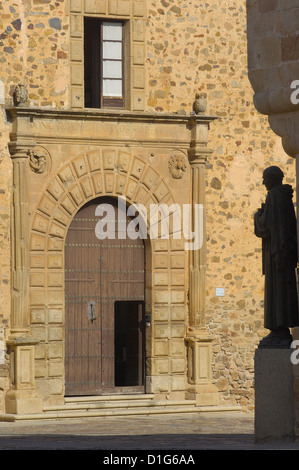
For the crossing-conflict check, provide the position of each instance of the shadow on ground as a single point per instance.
(164, 442)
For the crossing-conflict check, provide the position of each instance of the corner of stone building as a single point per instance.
(5, 204)
(4, 364)
(4, 386)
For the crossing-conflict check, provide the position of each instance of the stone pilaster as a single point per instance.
(198, 338)
(20, 244)
(22, 396)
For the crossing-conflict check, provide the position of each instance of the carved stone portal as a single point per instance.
(91, 157)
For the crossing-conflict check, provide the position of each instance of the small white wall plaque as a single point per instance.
(219, 291)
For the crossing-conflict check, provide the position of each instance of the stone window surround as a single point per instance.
(133, 13)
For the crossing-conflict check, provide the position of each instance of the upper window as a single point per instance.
(103, 63)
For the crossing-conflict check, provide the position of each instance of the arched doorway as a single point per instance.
(104, 305)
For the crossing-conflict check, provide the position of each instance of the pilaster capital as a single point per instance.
(20, 149)
(22, 340)
(38, 156)
(199, 151)
(198, 154)
(198, 335)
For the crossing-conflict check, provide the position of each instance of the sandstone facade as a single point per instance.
(178, 49)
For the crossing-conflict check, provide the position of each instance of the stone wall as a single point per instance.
(203, 47)
(190, 47)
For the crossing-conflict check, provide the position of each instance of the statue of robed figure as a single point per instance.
(275, 223)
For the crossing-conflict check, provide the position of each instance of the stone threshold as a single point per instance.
(113, 405)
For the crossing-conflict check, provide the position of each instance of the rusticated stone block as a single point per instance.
(160, 384)
(40, 369)
(50, 387)
(161, 347)
(160, 366)
(160, 313)
(55, 350)
(161, 330)
(177, 365)
(55, 369)
(178, 382)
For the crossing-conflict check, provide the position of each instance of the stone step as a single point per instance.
(75, 414)
(137, 397)
(116, 405)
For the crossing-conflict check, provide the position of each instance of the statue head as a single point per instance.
(272, 176)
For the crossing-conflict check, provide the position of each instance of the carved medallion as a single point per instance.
(38, 159)
(177, 165)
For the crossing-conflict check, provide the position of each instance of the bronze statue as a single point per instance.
(275, 223)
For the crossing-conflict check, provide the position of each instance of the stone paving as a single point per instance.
(180, 432)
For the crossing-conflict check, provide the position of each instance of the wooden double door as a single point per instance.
(104, 306)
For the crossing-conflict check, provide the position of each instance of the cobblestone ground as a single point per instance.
(181, 432)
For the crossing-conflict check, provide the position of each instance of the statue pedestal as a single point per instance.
(274, 396)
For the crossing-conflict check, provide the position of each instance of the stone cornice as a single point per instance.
(107, 115)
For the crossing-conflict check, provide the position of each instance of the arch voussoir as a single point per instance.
(92, 174)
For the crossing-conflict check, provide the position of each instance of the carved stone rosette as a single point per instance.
(177, 166)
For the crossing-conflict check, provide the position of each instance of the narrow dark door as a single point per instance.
(128, 340)
(104, 293)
